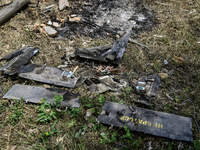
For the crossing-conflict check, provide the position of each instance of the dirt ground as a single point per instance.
(173, 36)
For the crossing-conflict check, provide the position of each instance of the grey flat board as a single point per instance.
(147, 121)
(48, 75)
(35, 94)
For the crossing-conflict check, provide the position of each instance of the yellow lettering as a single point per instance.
(160, 126)
(122, 118)
(126, 118)
(149, 123)
(155, 125)
(136, 120)
(140, 121)
(144, 122)
(132, 120)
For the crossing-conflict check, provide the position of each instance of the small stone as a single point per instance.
(43, 25)
(163, 75)
(179, 60)
(75, 19)
(55, 24)
(63, 4)
(49, 22)
(50, 31)
(165, 62)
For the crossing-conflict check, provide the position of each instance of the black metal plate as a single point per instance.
(148, 121)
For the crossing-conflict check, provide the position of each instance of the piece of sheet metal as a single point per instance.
(35, 94)
(147, 121)
(48, 75)
(14, 66)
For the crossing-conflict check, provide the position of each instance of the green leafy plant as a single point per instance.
(48, 112)
(104, 137)
(113, 137)
(128, 134)
(137, 143)
(196, 144)
(16, 112)
(101, 99)
(73, 112)
(44, 136)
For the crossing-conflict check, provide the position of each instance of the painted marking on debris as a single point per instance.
(142, 122)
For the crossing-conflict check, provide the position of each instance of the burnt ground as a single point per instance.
(170, 29)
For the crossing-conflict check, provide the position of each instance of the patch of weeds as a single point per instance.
(196, 144)
(81, 131)
(73, 112)
(104, 137)
(71, 123)
(48, 112)
(157, 64)
(16, 112)
(88, 102)
(127, 135)
(101, 99)
(44, 136)
(167, 83)
(126, 93)
(113, 137)
(137, 143)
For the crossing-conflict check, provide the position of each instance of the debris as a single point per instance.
(11, 9)
(106, 53)
(163, 75)
(63, 4)
(178, 59)
(14, 66)
(75, 19)
(88, 113)
(147, 121)
(136, 42)
(104, 83)
(142, 100)
(148, 86)
(55, 24)
(48, 75)
(50, 31)
(49, 22)
(165, 62)
(35, 94)
(15, 53)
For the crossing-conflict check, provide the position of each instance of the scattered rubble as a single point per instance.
(106, 53)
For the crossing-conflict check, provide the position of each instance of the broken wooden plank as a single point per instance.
(11, 9)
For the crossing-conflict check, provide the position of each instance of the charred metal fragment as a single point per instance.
(106, 53)
(35, 94)
(15, 53)
(148, 86)
(14, 66)
(48, 75)
(147, 121)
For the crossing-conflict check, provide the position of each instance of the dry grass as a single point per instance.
(179, 25)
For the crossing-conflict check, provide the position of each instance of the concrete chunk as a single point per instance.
(50, 31)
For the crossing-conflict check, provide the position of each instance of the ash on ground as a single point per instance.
(114, 16)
